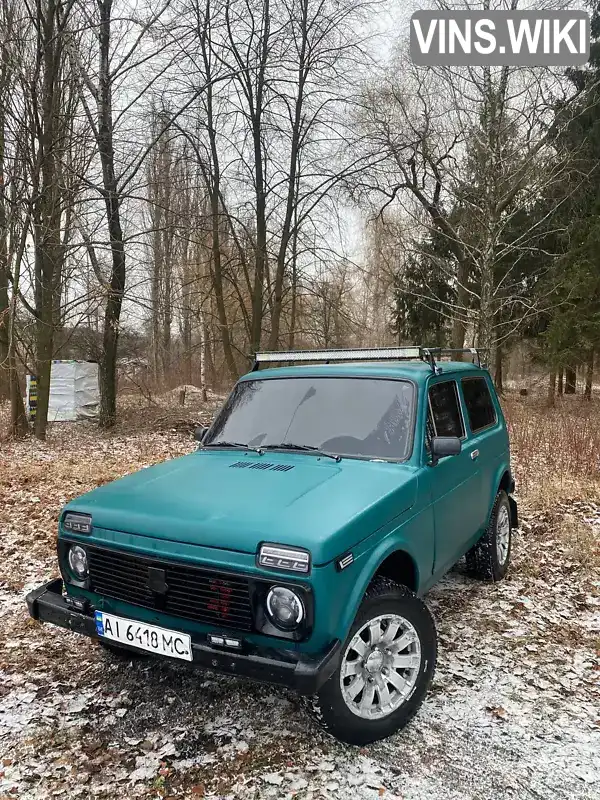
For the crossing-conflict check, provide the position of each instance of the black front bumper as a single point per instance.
(306, 674)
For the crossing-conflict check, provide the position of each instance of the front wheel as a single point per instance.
(387, 664)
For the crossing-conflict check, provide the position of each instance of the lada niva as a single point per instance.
(295, 545)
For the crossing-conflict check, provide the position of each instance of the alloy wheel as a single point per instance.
(502, 534)
(380, 666)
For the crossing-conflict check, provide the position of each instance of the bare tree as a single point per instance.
(117, 47)
(45, 91)
(163, 191)
(468, 152)
(321, 51)
(13, 225)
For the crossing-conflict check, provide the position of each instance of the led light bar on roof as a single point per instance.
(341, 354)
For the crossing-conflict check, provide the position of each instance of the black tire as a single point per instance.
(483, 560)
(383, 596)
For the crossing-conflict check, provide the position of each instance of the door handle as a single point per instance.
(474, 454)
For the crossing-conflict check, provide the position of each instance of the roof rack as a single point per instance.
(427, 354)
(440, 352)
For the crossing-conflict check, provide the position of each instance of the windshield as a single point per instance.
(364, 417)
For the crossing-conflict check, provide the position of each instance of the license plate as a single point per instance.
(161, 641)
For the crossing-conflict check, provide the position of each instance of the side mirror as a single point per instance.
(200, 433)
(444, 446)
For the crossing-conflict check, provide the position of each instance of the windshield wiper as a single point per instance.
(307, 447)
(237, 445)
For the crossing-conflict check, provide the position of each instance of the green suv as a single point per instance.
(295, 544)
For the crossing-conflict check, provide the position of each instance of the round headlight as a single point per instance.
(78, 561)
(285, 608)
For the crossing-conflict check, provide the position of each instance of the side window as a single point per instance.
(444, 411)
(478, 401)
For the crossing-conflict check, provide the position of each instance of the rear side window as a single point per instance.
(444, 411)
(478, 400)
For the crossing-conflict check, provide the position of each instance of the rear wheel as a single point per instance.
(387, 664)
(489, 559)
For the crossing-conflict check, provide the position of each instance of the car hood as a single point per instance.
(235, 500)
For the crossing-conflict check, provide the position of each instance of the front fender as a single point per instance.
(414, 537)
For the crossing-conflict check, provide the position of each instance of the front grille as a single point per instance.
(192, 593)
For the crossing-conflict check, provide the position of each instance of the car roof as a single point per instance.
(417, 371)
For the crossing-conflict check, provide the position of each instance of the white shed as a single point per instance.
(74, 391)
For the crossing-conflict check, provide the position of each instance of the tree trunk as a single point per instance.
(552, 388)
(5, 89)
(459, 328)
(47, 210)
(4, 371)
(294, 287)
(486, 332)
(570, 380)
(186, 331)
(4, 301)
(155, 291)
(214, 191)
(260, 262)
(560, 382)
(116, 288)
(208, 363)
(9, 379)
(43, 365)
(110, 338)
(498, 376)
(589, 376)
(19, 426)
(218, 286)
(167, 320)
(292, 183)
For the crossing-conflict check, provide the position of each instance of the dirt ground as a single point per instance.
(514, 711)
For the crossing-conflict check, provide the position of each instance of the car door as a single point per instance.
(487, 436)
(455, 480)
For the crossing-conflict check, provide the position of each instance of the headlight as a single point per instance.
(279, 556)
(285, 608)
(78, 561)
(78, 523)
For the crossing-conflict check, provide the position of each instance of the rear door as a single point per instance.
(455, 480)
(487, 436)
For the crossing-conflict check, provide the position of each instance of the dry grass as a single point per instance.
(582, 544)
(556, 459)
(556, 451)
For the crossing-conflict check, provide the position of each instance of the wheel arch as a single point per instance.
(506, 482)
(401, 567)
(392, 560)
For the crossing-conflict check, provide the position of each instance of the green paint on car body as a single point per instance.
(205, 509)
(316, 487)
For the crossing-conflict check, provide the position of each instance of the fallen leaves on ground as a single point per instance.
(513, 711)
